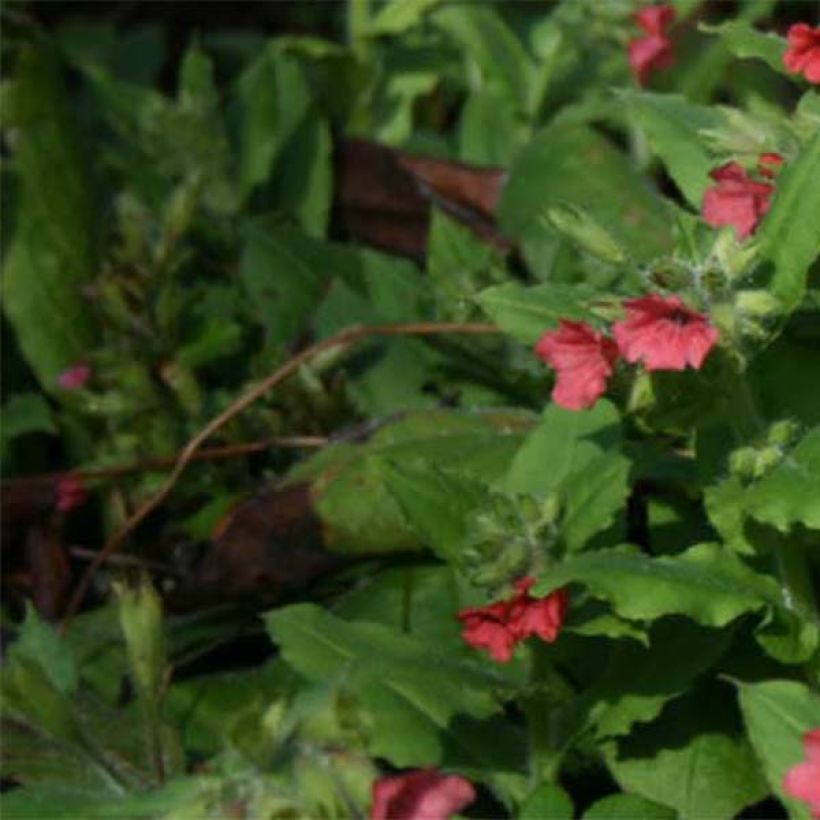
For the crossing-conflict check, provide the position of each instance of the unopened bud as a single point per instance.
(580, 228)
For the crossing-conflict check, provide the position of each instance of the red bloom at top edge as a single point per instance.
(738, 199)
(803, 54)
(654, 50)
(499, 627)
(425, 794)
(803, 780)
(583, 360)
(74, 377)
(663, 333)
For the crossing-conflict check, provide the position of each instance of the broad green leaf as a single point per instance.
(593, 496)
(490, 44)
(777, 714)
(490, 129)
(573, 165)
(39, 642)
(636, 681)
(26, 413)
(789, 494)
(790, 232)
(527, 312)
(627, 807)
(397, 16)
(52, 252)
(747, 42)
(563, 443)
(436, 503)
(412, 692)
(706, 583)
(691, 759)
(548, 802)
(672, 126)
(284, 276)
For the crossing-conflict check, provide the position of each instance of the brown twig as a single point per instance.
(208, 454)
(345, 337)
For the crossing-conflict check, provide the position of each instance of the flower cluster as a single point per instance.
(659, 331)
(425, 794)
(501, 626)
(653, 50)
(803, 780)
(739, 199)
(803, 54)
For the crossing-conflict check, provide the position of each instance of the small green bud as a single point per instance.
(767, 459)
(758, 304)
(783, 433)
(579, 227)
(743, 463)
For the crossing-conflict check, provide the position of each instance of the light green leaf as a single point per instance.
(789, 494)
(790, 233)
(706, 583)
(26, 413)
(777, 714)
(397, 16)
(628, 807)
(52, 251)
(527, 312)
(411, 691)
(672, 126)
(548, 802)
(39, 642)
(747, 42)
(564, 442)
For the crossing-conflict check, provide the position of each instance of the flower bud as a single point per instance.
(579, 227)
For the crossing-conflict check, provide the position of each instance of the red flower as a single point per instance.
(654, 50)
(583, 360)
(664, 333)
(75, 376)
(737, 199)
(425, 794)
(71, 493)
(501, 626)
(769, 164)
(803, 54)
(803, 780)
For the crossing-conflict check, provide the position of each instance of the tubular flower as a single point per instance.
(74, 377)
(803, 780)
(738, 199)
(664, 334)
(71, 493)
(583, 360)
(425, 794)
(654, 50)
(803, 54)
(501, 626)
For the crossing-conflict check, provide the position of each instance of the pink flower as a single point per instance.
(654, 50)
(583, 361)
(74, 377)
(803, 54)
(425, 794)
(769, 164)
(737, 199)
(803, 780)
(501, 626)
(663, 333)
(71, 493)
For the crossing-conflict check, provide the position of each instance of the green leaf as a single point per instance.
(706, 583)
(691, 759)
(548, 802)
(573, 165)
(672, 126)
(397, 16)
(39, 642)
(53, 252)
(26, 413)
(436, 503)
(528, 312)
(777, 714)
(564, 442)
(788, 495)
(412, 692)
(490, 129)
(627, 807)
(790, 233)
(746, 42)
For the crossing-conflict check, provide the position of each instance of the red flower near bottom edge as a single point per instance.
(803, 780)
(501, 626)
(425, 794)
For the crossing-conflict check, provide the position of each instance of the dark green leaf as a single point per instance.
(628, 807)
